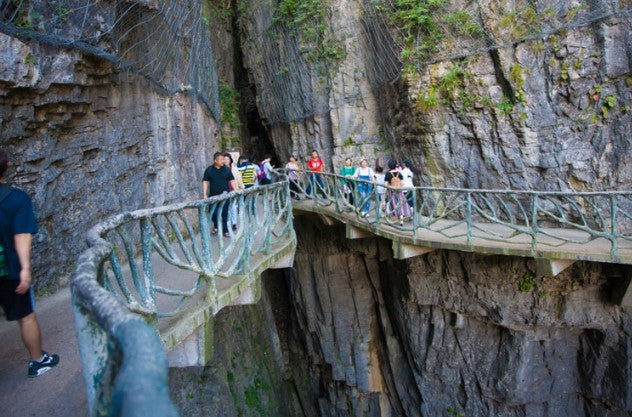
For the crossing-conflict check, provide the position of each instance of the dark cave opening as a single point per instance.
(255, 140)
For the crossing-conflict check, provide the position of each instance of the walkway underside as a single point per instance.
(551, 253)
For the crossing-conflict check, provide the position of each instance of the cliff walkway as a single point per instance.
(153, 279)
(156, 277)
(554, 228)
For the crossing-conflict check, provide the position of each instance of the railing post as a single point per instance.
(414, 191)
(534, 221)
(247, 227)
(613, 227)
(148, 270)
(336, 195)
(468, 216)
(267, 216)
(378, 203)
(205, 238)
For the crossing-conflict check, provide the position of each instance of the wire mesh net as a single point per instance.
(409, 35)
(300, 56)
(165, 41)
(298, 48)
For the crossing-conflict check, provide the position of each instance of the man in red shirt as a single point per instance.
(315, 165)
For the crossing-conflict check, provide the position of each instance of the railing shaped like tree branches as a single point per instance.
(119, 299)
(584, 222)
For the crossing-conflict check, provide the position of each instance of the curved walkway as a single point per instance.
(543, 225)
(166, 267)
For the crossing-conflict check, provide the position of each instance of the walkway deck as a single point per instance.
(486, 240)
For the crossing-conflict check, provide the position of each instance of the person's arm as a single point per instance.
(23, 249)
(205, 185)
(238, 179)
(232, 182)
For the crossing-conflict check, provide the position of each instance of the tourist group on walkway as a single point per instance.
(393, 186)
(223, 177)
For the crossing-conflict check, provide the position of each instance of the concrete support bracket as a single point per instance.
(195, 350)
(327, 220)
(552, 267)
(286, 261)
(405, 251)
(353, 232)
(625, 288)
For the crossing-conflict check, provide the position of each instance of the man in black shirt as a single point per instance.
(217, 180)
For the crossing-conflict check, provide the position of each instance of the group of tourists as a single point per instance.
(395, 200)
(224, 176)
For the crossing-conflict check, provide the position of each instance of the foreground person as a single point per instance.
(17, 225)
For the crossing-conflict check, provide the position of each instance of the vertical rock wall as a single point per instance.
(87, 142)
(549, 113)
(450, 333)
(308, 105)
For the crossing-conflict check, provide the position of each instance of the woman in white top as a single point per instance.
(364, 173)
(293, 171)
(228, 161)
(408, 174)
(380, 180)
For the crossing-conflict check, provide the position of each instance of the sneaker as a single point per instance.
(38, 368)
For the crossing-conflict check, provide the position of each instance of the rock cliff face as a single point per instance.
(87, 142)
(352, 332)
(451, 334)
(550, 112)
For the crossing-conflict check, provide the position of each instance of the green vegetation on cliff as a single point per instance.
(424, 24)
(308, 19)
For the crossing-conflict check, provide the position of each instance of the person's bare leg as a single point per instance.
(31, 335)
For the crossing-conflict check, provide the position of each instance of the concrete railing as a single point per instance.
(590, 225)
(118, 303)
(118, 298)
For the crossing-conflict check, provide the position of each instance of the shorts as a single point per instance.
(15, 306)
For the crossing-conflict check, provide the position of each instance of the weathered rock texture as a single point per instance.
(87, 142)
(248, 374)
(449, 333)
(552, 113)
(352, 332)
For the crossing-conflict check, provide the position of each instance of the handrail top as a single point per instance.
(477, 190)
(95, 233)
